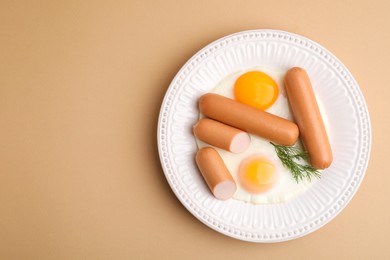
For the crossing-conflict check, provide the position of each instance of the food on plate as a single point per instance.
(308, 117)
(221, 135)
(250, 119)
(215, 173)
(256, 89)
(259, 174)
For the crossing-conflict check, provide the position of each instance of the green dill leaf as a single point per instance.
(291, 157)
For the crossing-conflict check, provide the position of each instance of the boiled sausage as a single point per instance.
(215, 173)
(307, 114)
(221, 135)
(249, 119)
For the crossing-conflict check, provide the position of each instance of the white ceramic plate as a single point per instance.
(345, 108)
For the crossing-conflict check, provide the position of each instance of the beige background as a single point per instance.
(81, 83)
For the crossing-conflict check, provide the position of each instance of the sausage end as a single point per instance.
(240, 142)
(224, 190)
(323, 162)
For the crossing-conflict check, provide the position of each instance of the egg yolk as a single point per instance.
(256, 89)
(257, 175)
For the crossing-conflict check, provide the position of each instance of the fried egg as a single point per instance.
(260, 176)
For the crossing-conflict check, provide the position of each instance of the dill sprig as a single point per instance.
(290, 157)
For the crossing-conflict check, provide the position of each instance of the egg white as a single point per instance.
(286, 187)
